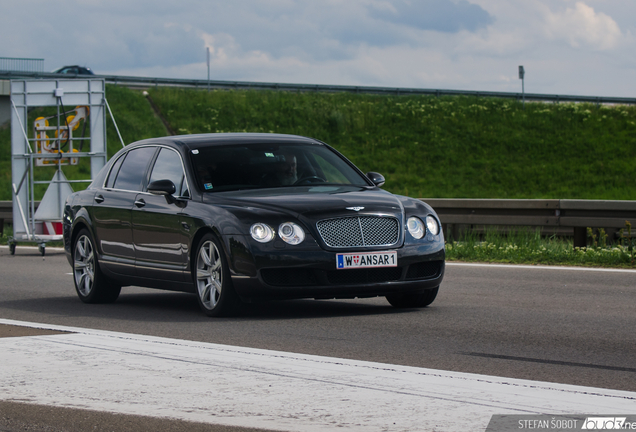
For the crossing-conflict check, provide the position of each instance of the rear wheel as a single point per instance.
(413, 300)
(213, 285)
(91, 285)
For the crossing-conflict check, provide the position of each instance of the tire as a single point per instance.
(90, 283)
(413, 300)
(212, 283)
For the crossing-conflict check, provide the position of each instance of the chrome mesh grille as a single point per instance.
(359, 231)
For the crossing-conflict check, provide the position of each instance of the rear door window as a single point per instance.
(110, 182)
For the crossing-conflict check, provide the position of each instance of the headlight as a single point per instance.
(431, 224)
(261, 232)
(291, 233)
(416, 227)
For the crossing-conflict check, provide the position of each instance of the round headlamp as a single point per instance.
(432, 225)
(261, 232)
(291, 233)
(416, 227)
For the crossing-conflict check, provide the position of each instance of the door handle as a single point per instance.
(99, 199)
(140, 203)
(185, 226)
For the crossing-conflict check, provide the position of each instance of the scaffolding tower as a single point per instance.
(32, 148)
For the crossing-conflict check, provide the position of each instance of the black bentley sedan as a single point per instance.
(244, 217)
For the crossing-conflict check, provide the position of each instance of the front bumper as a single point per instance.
(310, 272)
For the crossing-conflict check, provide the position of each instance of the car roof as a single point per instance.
(213, 139)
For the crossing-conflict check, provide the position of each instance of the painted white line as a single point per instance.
(539, 267)
(222, 384)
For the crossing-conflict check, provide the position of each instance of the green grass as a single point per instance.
(527, 246)
(449, 147)
(134, 116)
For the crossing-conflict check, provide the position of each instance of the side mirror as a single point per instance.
(167, 189)
(376, 178)
(162, 187)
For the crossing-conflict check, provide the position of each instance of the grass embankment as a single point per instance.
(448, 147)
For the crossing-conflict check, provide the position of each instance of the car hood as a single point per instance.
(314, 203)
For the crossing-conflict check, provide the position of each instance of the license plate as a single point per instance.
(366, 260)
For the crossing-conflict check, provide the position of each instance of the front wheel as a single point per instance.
(413, 300)
(214, 289)
(91, 285)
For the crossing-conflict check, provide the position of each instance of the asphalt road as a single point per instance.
(566, 326)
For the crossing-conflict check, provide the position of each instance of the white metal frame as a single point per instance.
(69, 93)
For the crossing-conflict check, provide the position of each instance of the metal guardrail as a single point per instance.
(132, 81)
(6, 213)
(13, 64)
(551, 213)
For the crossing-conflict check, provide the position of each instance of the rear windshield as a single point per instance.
(256, 166)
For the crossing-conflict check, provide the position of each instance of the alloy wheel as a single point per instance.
(84, 265)
(209, 273)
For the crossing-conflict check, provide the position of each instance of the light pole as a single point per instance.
(208, 52)
(522, 74)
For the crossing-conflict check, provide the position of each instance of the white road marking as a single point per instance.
(222, 384)
(539, 267)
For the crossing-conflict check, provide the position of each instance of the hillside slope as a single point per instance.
(439, 147)
(425, 146)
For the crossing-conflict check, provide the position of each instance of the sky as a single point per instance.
(568, 47)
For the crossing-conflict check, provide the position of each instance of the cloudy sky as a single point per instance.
(578, 47)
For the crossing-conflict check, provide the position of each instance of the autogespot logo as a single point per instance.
(604, 423)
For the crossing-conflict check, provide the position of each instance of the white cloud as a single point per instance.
(567, 46)
(582, 25)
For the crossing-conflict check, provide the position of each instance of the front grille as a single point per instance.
(359, 231)
(364, 276)
(424, 270)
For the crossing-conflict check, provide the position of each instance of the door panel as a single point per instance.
(158, 234)
(158, 238)
(112, 209)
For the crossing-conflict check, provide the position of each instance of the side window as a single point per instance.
(168, 167)
(132, 171)
(110, 182)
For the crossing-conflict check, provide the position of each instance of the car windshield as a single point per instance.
(255, 166)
